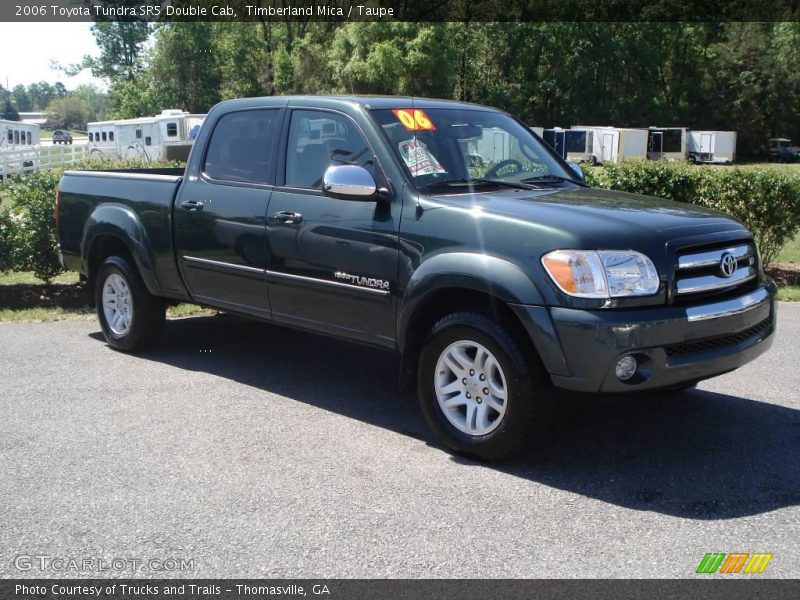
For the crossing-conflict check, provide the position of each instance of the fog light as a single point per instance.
(626, 367)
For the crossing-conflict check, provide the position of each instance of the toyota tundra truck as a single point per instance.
(499, 282)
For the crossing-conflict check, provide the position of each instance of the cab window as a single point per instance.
(241, 146)
(319, 139)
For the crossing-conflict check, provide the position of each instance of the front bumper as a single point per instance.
(674, 346)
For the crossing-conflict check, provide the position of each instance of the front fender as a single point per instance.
(480, 272)
(121, 222)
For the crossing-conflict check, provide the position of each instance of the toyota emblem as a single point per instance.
(727, 265)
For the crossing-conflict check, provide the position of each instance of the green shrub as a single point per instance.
(766, 201)
(28, 240)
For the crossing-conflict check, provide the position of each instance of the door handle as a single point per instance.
(288, 217)
(192, 205)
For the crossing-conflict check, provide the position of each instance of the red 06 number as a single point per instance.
(413, 119)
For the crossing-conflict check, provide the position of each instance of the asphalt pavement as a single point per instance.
(236, 449)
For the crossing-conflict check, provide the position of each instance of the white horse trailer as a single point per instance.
(19, 147)
(712, 147)
(102, 143)
(167, 136)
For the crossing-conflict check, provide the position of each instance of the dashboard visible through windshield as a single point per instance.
(455, 150)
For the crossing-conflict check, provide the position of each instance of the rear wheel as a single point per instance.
(477, 389)
(131, 318)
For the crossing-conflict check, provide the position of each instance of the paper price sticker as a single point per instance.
(414, 120)
(419, 159)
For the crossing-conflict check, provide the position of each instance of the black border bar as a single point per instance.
(730, 588)
(400, 10)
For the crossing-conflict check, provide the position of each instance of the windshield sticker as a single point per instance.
(414, 120)
(418, 159)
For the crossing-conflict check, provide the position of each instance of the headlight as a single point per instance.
(602, 274)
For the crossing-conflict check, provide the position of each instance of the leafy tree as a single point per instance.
(21, 98)
(70, 112)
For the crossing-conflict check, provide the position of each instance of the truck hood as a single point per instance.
(601, 218)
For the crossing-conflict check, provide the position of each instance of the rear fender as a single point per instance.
(121, 222)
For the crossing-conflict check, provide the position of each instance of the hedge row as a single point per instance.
(27, 225)
(766, 200)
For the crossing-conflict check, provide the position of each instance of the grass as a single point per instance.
(790, 253)
(28, 278)
(59, 313)
(789, 293)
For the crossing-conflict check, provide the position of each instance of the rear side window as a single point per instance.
(172, 129)
(138, 134)
(110, 136)
(104, 136)
(28, 136)
(91, 136)
(241, 147)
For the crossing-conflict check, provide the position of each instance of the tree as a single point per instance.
(185, 66)
(9, 112)
(70, 112)
(41, 94)
(21, 98)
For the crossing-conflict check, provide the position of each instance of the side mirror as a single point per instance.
(349, 182)
(577, 168)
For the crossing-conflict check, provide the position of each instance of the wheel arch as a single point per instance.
(118, 230)
(457, 282)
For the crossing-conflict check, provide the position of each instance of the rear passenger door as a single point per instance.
(333, 262)
(220, 215)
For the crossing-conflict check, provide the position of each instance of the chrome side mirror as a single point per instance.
(577, 168)
(349, 181)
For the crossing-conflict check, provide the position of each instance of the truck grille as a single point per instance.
(714, 271)
(720, 341)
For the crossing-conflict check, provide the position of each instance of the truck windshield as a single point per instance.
(454, 150)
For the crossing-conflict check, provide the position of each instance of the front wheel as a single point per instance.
(479, 391)
(131, 318)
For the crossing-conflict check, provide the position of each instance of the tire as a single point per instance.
(143, 316)
(593, 160)
(481, 430)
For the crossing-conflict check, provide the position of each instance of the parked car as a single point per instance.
(357, 217)
(781, 150)
(61, 136)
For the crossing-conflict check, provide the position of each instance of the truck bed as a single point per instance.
(133, 204)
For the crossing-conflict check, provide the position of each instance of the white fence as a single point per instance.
(40, 157)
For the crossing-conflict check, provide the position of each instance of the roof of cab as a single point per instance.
(370, 102)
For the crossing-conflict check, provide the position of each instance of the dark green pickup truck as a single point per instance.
(368, 218)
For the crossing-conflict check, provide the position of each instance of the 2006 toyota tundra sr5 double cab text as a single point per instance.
(368, 218)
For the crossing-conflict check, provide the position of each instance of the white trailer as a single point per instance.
(712, 147)
(165, 136)
(102, 143)
(19, 147)
(616, 144)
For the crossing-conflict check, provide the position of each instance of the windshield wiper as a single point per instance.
(476, 181)
(551, 179)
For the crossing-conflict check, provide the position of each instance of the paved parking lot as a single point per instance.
(258, 451)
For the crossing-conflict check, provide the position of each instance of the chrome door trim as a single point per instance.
(224, 265)
(336, 284)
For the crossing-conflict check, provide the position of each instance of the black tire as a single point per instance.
(528, 388)
(148, 312)
(593, 160)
